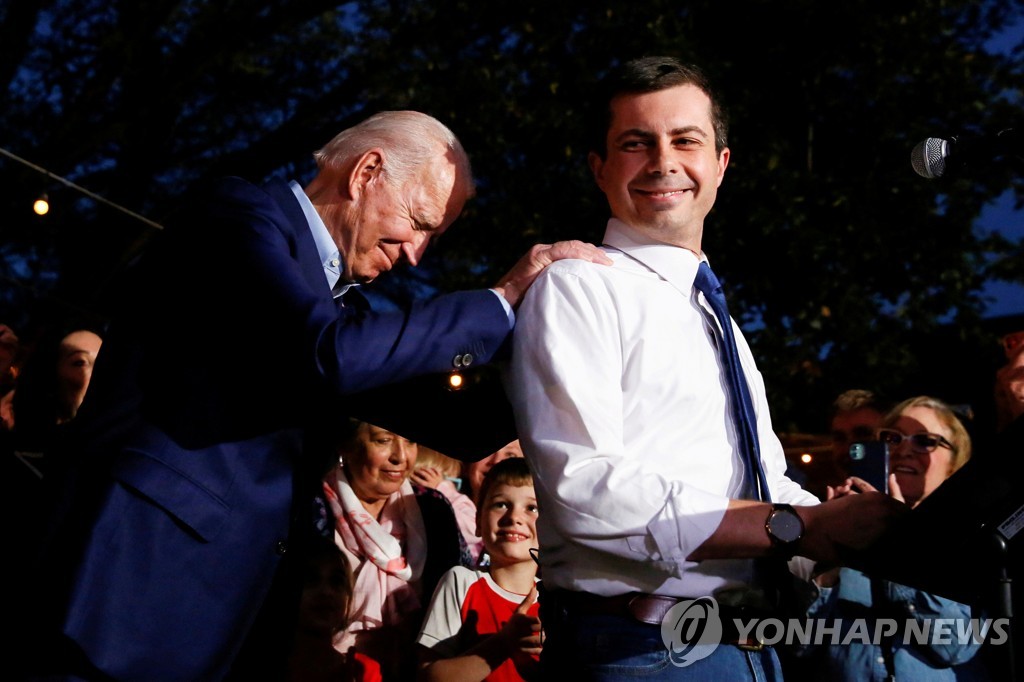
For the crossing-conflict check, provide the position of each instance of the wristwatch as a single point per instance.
(785, 528)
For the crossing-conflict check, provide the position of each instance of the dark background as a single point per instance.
(845, 268)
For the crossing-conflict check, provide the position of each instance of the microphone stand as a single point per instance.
(1003, 601)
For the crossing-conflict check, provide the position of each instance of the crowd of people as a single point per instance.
(201, 521)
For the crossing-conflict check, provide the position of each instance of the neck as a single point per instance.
(374, 507)
(672, 236)
(517, 577)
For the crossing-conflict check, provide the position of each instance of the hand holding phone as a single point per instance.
(870, 461)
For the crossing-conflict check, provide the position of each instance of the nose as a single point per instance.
(513, 516)
(413, 250)
(662, 160)
(401, 451)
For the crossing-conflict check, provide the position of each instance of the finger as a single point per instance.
(576, 249)
(894, 489)
(528, 600)
(862, 485)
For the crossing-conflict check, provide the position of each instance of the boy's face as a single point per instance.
(507, 523)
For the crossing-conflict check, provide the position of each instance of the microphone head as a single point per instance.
(929, 157)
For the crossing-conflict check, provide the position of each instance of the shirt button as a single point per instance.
(335, 262)
(467, 360)
(281, 548)
(457, 361)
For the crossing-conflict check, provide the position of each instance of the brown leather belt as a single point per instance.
(651, 609)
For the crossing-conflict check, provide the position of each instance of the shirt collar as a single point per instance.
(330, 256)
(675, 264)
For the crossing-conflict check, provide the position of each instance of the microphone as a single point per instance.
(931, 158)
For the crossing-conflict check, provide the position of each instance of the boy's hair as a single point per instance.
(513, 471)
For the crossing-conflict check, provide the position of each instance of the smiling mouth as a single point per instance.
(904, 470)
(662, 194)
(513, 537)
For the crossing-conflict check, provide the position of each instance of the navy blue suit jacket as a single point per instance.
(217, 387)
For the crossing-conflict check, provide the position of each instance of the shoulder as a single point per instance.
(458, 580)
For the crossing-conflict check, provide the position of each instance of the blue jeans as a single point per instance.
(600, 647)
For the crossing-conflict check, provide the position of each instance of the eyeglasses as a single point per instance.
(925, 442)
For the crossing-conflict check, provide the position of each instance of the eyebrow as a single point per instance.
(675, 132)
(423, 223)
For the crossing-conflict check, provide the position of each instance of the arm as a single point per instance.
(568, 385)
(852, 521)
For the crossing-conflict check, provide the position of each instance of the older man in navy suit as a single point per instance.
(193, 462)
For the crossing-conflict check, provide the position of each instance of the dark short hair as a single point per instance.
(650, 74)
(514, 471)
(859, 399)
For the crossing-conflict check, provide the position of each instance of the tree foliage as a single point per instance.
(841, 263)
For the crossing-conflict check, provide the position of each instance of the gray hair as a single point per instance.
(409, 138)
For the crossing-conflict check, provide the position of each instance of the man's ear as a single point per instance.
(596, 164)
(366, 170)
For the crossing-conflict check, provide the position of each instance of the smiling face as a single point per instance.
(919, 472)
(385, 223)
(377, 462)
(507, 523)
(661, 172)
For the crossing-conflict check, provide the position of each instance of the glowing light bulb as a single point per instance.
(455, 380)
(806, 458)
(41, 205)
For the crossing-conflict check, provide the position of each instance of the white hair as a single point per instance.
(410, 139)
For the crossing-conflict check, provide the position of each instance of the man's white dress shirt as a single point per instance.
(622, 410)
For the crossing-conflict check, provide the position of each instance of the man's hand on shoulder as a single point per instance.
(515, 283)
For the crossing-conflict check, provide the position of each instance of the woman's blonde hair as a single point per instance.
(960, 439)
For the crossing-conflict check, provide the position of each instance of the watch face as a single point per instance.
(786, 525)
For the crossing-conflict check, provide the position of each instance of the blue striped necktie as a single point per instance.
(739, 391)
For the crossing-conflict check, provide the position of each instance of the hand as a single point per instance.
(851, 486)
(523, 632)
(515, 283)
(851, 521)
(428, 477)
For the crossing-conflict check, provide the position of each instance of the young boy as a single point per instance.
(484, 625)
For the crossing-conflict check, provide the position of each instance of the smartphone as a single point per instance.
(870, 461)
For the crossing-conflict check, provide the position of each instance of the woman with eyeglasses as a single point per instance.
(927, 442)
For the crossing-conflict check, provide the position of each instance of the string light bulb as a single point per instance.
(41, 206)
(454, 381)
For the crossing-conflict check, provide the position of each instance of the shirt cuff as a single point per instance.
(508, 308)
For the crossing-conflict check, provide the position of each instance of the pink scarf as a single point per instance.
(386, 577)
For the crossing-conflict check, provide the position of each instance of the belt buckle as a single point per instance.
(748, 645)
